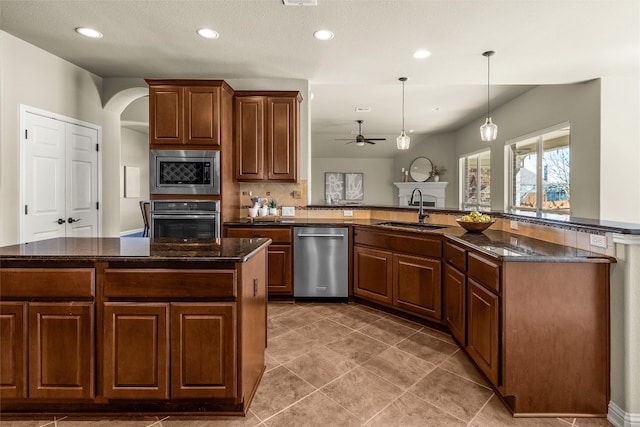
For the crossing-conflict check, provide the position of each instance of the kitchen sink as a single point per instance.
(414, 225)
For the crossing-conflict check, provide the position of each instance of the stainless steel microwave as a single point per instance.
(184, 172)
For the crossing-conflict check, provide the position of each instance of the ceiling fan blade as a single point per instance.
(345, 139)
(369, 142)
(376, 139)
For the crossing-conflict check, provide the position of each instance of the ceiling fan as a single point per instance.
(360, 139)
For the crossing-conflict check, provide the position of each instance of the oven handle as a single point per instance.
(182, 216)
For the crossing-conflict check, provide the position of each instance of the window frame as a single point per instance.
(509, 162)
(463, 205)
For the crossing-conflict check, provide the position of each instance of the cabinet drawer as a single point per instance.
(400, 242)
(47, 283)
(278, 235)
(455, 256)
(484, 271)
(166, 283)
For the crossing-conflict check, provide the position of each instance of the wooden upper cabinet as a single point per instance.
(267, 136)
(184, 112)
(250, 138)
(282, 138)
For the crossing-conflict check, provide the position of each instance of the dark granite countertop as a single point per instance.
(564, 221)
(136, 249)
(287, 222)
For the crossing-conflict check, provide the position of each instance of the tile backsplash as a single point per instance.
(285, 193)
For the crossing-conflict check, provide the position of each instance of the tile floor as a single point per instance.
(349, 365)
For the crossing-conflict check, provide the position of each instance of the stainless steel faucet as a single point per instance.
(421, 213)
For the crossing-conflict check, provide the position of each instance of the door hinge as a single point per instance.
(26, 209)
(97, 147)
(97, 205)
(26, 134)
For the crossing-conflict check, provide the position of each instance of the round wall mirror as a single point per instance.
(421, 169)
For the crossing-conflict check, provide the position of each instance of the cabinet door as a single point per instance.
(203, 350)
(249, 111)
(455, 297)
(373, 278)
(13, 351)
(282, 139)
(483, 329)
(61, 350)
(417, 285)
(136, 351)
(202, 115)
(166, 123)
(280, 269)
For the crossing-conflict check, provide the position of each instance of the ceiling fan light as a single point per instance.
(360, 143)
(488, 131)
(403, 141)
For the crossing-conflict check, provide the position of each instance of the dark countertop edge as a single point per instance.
(138, 258)
(566, 221)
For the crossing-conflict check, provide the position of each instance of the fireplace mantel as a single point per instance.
(433, 193)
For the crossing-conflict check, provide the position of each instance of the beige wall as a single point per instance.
(378, 178)
(31, 76)
(134, 152)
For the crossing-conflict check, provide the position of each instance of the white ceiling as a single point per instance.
(536, 42)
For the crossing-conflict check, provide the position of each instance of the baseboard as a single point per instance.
(135, 231)
(620, 418)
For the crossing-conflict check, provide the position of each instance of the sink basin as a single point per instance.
(414, 225)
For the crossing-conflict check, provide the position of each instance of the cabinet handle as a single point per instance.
(255, 287)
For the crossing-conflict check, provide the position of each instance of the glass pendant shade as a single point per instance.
(488, 131)
(403, 141)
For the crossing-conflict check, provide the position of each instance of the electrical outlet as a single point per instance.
(513, 225)
(347, 213)
(598, 240)
(288, 211)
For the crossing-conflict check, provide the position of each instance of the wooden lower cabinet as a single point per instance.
(279, 255)
(455, 302)
(136, 350)
(280, 260)
(373, 274)
(13, 351)
(203, 350)
(54, 357)
(417, 285)
(483, 329)
(61, 350)
(191, 346)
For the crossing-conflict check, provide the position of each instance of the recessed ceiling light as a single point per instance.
(89, 32)
(323, 35)
(363, 109)
(208, 33)
(421, 54)
(435, 109)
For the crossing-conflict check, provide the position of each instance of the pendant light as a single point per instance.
(403, 140)
(489, 130)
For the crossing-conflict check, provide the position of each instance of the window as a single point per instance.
(475, 179)
(541, 161)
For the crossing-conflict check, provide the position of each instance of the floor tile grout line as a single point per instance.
(462, 376)
(386, 406)
(481, 408)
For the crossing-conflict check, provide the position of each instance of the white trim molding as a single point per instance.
(620, 418)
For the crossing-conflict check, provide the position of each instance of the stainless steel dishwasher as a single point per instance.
(321, 262)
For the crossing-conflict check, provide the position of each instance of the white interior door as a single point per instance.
(44, 178)
(81, 181)
(59, 180)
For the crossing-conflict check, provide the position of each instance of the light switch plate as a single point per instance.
(288, 211)
(598, 240)
(513, 225)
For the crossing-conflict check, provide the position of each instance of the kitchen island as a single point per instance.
(109, 325)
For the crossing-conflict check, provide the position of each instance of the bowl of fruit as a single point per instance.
(475, 222)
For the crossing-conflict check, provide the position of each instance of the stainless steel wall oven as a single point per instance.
(185, 219)
(184, 172)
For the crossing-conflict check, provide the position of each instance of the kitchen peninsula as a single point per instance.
(109, 325)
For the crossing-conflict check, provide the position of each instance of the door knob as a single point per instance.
(71, 220)
(61, 221)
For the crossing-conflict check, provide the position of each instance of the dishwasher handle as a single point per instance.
(341, 236)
